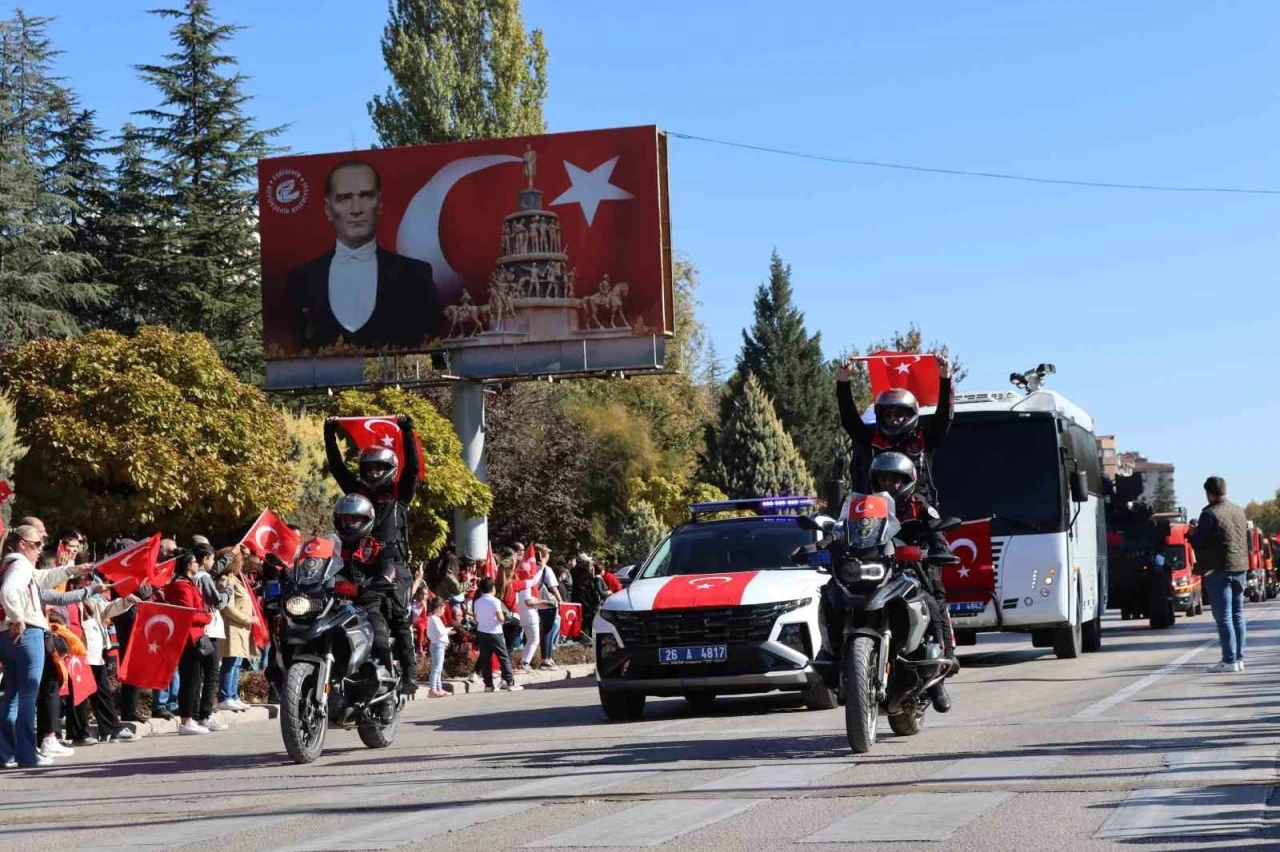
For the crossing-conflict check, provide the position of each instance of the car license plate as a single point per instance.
(694, 654)
(967, 607)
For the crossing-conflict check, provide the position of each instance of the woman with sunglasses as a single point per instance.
(22, 642)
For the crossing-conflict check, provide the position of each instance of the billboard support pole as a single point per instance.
(472, 534)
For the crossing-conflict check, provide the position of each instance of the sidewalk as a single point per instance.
(460, 685)
(255, 713)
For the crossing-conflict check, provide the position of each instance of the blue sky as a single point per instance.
(1156, 308)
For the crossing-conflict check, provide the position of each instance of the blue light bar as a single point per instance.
(759, 505)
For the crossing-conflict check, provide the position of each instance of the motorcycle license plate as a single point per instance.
(694, 654)
(967, 607)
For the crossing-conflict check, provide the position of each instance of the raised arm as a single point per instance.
(850, 419)
(940, 424)
(337, 464)
(412, 460)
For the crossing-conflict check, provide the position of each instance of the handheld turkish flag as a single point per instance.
(366, 432)
(570, 620)
(490, 564)
(916, 373)
(974, 579)
(5, 493)
(270, 534)
(80, 680)
(261, 633)
(527, 568)
(132, 567)
(160, 634)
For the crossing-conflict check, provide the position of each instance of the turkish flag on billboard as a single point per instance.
(366, 432)
(131, 567)
(159, 636)
(80, 680)
(975, 576)
(270, 534)
(570, 620)
(916, 373)
(489, 242)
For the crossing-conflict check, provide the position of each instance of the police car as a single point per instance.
(718, 608)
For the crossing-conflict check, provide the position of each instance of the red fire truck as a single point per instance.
(1256, 578)
(1188, 593)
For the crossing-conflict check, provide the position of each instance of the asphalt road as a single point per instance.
(1133, 747)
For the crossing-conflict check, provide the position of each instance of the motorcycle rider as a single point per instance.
(379, 545)
(897, 428)
(893, 472)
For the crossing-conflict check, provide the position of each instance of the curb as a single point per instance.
(158, 727)
(459, 686)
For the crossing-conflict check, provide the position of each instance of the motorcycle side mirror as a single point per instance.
(1079, 487)
(941, 559)
(816, 523)
(948, 524)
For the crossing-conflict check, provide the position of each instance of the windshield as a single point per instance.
(725, 547)
(1175, 557)
(1007, 469)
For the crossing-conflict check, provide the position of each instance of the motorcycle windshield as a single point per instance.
(869, 521)
(319, 561)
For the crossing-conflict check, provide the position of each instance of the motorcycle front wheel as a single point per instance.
(303, 720)
(861, 709)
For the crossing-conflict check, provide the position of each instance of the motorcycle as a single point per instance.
(326, 645)
(880, 650)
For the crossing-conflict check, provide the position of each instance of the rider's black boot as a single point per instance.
(941, 700)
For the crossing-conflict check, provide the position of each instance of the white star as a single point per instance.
(588, 189)
(903, 368)
(964, 572)
(704, 586)
(388, 441)
(154, 647)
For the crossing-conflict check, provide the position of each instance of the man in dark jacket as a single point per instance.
(1222, 557)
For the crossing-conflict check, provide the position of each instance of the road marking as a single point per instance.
(1220, 766)
(1189, 812)
(435, 820)
(649, 824)
(994, 769)
(910, 816)
(1098, 708)
(775, 776)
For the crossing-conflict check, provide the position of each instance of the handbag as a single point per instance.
(206, 647)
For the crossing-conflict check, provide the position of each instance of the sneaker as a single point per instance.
(489, 689)
(192, 729)
(440, 693)
(124, 735)
(41, 760)
(213, 724)
(1219, 668)
(11, 763)
(228, 704)
(550, 665)
(241, 706)
(50, 746)
(511, 687)
(87, 741)
(1239, 665)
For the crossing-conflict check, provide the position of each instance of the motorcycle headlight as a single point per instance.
(856, 571)
(299, 605)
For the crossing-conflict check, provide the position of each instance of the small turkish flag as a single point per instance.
(975, 576)
(916, 373)
(490, 564)
(366, 432)
(131, 567)
(570, 620)
(160, 634)
(270, 534)
(80, 680)
(5, 493)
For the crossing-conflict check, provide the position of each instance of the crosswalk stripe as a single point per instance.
(775, 776)
(1220, 766)
(433, 821)
(1188, 812)
(909, 816)
(995, 769)
(649, 824)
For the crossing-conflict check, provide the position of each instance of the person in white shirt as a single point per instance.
(22, 642)
(438, 636)
(490, 615)
(547, 587)
(359, 292)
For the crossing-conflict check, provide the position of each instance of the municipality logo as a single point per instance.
(287, 191)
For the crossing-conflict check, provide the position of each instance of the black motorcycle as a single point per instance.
(881, 652)
(330, 678)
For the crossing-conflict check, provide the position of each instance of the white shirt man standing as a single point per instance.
(490, 615)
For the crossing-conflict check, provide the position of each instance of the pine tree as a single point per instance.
(789, 365)
(42, 273)
(460, 69)
(753, 453)
(206, 151)
(1165, 498)
(130, 226)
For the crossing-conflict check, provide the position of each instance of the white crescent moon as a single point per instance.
(860, 508)
(75, 666)
(125, 560)
(257, 537)
(157, 619)
(693, 580)
(966, 542)
(419, 234)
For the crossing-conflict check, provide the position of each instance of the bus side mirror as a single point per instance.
(1079, 487)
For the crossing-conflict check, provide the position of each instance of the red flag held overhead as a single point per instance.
(270, 534)
(916, 373)
(133, 566)
(368, 432)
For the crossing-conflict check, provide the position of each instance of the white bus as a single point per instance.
(1029, 461)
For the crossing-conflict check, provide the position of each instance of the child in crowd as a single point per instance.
(418, 618)
(438, 634)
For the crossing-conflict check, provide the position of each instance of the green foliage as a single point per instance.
(670, 497)
(11, 449)
(132, 435)
(316, 492)
(1165, 499)
(788, 363)
(460, 69)
(447, 483)
(640, 532)
(202, 273)
(43, 275)
(753, 454)
(1266, 514)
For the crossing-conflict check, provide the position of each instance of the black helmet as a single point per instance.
(378, 467)
(894, 473)
(897, 412)
(353, 517)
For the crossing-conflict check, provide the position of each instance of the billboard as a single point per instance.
(533, 254)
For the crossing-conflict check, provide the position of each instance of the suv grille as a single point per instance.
(751, 623)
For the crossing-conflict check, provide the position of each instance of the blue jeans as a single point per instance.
(1226, 596)
(437, 667)
(168, 698)
(23, 663)
(264, 657)
(229, 679)
(550, 639)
